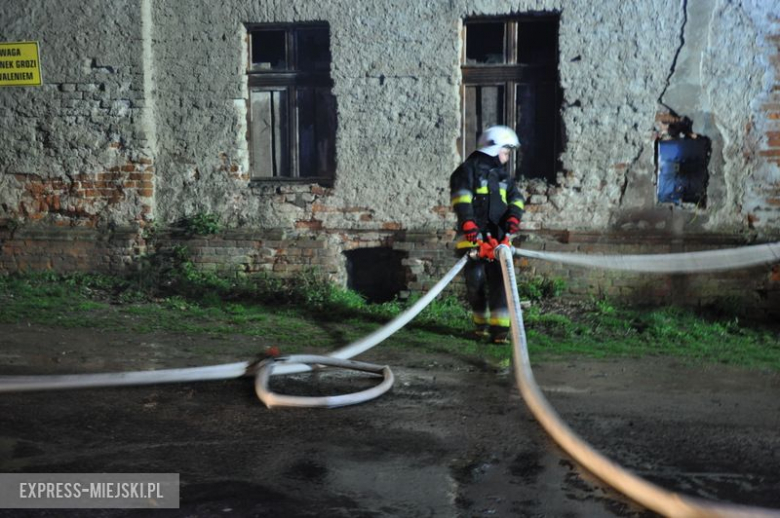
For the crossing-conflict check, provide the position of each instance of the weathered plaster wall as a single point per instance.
(761, 200)
(143, 116)
(75, 151)
(651, 58)
(137, 84)
(396, 74)
(396, 87)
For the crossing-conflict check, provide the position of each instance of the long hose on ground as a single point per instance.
(223, 371)
(642, 491)
(633, 486)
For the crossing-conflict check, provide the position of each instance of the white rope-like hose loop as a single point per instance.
(224, 371)
(272, 399)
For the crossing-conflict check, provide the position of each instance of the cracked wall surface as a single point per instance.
(74, 151)
(154, 92)
(143, 118)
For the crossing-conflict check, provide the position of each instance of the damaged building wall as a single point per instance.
(143, 118)
(75, 153)
(397, 115)
(74, 150)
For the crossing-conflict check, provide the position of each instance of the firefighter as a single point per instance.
(488, 204)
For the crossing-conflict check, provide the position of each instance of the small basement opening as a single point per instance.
(376, 273)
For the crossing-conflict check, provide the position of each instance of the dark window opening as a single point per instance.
(485, 106)
(682, 170)
(376, 273)
(313, 49)
(520, 90)
(485, 43)
(292, 116)
(537, 42)
(269, 50)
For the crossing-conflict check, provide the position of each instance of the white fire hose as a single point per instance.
(290, 365)
(688, 262)
(640, 490)
(633, 486)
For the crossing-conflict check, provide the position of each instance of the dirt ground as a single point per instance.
(452, 438)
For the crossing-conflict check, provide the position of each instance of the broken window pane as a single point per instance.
(485, 43)
(268, 132)
(313, 49)
(682, 170)
(537, 41)
(484, 108)
(316, 131)
(269, 50)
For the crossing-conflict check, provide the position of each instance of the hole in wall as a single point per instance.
(376, 273)
(682, 158)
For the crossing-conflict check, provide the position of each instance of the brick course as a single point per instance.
(429, 254)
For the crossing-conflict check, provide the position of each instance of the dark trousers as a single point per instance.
(485, 293)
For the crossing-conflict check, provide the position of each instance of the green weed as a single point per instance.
(309, 312)
(202, 224)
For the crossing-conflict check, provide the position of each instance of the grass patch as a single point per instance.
(307, 313)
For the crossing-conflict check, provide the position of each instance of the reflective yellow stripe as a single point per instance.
(466, 198)
(465, 244)
(500, 321)
(519, 203)
(482, 190)
(479, 318)
(503, 195)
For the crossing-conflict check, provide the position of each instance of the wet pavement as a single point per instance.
(452, 438)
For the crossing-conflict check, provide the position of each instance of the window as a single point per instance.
(510, 76)
(292, 116)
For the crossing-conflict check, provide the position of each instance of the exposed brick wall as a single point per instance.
(764, 205)
(771, 108)
(771, 152)
(429, 255)
(68, 250)
(241, 252)
(83, 199)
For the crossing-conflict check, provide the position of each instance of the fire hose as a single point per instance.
(640, 490)
(651, 496)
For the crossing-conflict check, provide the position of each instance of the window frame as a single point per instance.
(509, 75)
(290, 80)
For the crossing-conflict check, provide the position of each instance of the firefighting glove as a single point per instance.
(512, 225)
(470, 230)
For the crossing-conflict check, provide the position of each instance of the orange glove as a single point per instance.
(470, 231)
(512, 225)
(487, 248)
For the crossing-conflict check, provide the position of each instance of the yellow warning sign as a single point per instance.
(20, 64)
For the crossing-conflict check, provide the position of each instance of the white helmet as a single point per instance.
(496, 137)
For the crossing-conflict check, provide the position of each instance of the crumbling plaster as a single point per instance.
(760, 202)
(83, 120)
(175, 93)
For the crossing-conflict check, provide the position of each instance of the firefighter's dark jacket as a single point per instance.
(470, 190)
